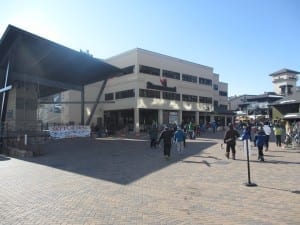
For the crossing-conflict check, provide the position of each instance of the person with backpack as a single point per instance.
(259, 141)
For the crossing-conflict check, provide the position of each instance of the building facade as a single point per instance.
(285, 81)
(269, 105)
(153, 89)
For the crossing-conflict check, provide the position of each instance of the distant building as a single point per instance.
(288, 104)
(262, 106)
(285, 81)
(254, 106)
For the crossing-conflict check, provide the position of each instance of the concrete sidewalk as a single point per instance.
(123, 181)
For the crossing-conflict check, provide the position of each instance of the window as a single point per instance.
(171, 74)
(222, 93)
(189, 98)
(149, 93)
(149, 70)
(205, 81)
(205, 99)
(109, 96)
(216, 87)
(171, 96)
(189, 78)
(125, 94)
(216, 104)
(223, 106)
(128, 70)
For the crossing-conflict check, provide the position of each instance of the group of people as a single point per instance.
(260, 140)
(168, 136)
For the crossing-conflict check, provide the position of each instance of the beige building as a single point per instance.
(285, 81)
(153, 88)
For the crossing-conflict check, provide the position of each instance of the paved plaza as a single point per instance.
(118, 180)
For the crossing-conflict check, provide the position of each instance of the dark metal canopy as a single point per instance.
(54, 67)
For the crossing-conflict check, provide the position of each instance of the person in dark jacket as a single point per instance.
(166, 135)
(153, 133)
(259, 141)
(230, 139)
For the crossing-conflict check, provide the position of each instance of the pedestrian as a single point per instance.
(230, 139)
(153, 134)
(214, 126)
(179, 138)
(191, 130)
(260, 140)
(278, 133)
(166, 135)
(267, 131)
(246, 132)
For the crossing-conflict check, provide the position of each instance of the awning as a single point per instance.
(54, 67)
(292, 116)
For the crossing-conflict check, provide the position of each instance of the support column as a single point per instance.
(180, 117)
(160, 117)
(197, 118)
(136, 120)
(82, 106)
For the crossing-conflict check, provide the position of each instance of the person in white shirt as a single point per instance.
(267, 131)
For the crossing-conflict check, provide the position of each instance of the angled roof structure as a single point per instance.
(54, 67)
(284, 70)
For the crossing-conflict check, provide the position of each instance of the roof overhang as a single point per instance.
(292, 116)
(53, 66)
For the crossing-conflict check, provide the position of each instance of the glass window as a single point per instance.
(189, 98)
(205, 81)
(109, 96)
(128, 70)
(149, 93)
(125, 94)
(171, 74)
(203, 99)
(223, 106)
(222, 93)
(189, 78)
(171, 96)
(149, 70)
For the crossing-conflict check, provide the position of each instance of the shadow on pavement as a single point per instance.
(292, 191)
(120, 161)
(269, 161)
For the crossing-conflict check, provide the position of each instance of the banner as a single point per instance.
(60, 132)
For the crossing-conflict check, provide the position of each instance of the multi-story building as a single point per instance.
(153, 88)
(284, 81)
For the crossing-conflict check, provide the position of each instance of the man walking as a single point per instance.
(166, 135)
(230, 139)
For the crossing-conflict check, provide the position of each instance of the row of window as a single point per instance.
(146, 93)
(173, 75)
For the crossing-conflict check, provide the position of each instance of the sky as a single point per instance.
(242, 40)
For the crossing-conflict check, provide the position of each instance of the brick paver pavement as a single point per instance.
(123, 181)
